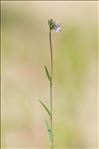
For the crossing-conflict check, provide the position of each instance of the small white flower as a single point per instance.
(57, 28)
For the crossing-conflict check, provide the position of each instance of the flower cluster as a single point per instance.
(53, 26)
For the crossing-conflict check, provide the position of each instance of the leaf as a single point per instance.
(49, 132)
(48, 75)
(49, 113)
(50, 136)
(47, 125)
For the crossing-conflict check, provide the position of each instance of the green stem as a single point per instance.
(51, 86)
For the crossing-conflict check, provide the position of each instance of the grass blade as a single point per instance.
(47, 73)
(45, 107)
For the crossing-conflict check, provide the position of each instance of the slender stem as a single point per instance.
(51, 86)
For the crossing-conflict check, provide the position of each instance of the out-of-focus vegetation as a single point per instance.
(25, 51)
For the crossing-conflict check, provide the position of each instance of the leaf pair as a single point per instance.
(50, 134)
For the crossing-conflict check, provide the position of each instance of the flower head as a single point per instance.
(53, 26)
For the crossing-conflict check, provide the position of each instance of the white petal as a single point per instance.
(58, 29)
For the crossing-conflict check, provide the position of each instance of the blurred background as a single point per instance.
(25, 51)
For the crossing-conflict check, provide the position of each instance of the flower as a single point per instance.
(53, 26)
(57, 28)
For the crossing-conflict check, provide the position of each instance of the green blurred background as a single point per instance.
(25, 51)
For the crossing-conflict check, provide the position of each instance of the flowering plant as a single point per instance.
(52, 26)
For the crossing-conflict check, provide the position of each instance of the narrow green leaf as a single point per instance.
(49, 113)
(49, 132)
(50, 136)
(47, 73)
(47, 125)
